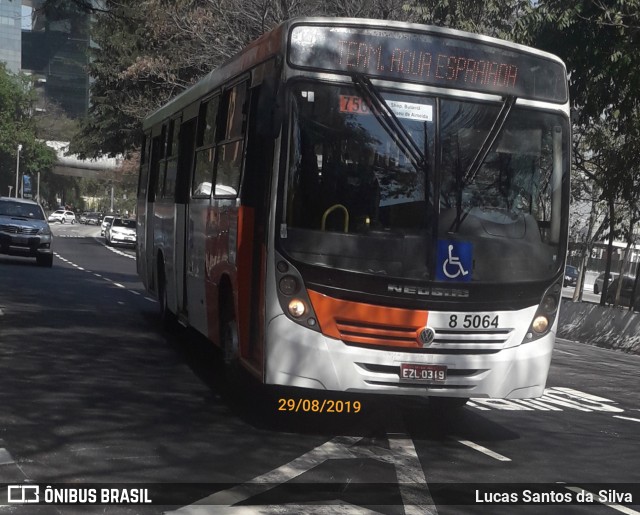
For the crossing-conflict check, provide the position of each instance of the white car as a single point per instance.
(63, 216)
(106, 222)
(121, 231)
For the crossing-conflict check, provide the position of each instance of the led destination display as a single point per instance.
(437, 60)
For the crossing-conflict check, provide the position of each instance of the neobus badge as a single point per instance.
(426, 336)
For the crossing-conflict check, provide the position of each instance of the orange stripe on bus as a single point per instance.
(368, 324)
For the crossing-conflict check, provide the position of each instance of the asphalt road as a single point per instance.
(93, 392)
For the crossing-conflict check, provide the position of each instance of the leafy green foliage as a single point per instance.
(17, 127)
(489, 17)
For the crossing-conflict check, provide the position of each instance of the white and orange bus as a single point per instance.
(366, 206)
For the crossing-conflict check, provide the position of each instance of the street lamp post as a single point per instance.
(18, 168)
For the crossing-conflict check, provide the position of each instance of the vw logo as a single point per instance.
(426, 336)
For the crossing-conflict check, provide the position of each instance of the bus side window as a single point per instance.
(186, 148)
(231, 147)
(143, 179)
(154, 169)
(205, 151)
(172, 159)
(162, 168)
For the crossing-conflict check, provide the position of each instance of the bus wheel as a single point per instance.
(229, 342)
(447, 403)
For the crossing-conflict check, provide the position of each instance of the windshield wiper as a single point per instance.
(389, 121)
(479, 158)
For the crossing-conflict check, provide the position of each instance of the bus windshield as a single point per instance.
(358, 200)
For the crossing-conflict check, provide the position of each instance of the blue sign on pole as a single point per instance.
(455, 260)
(26, 186)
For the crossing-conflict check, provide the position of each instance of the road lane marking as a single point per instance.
(112, 249)
(536, 404)
(483, 450)
(410, 474)
(415, 495)
(5, 457)
(565, 352)
(618, 507)
(96, 275)
(627, 418)
(554, 399)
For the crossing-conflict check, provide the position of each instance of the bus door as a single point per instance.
(186, 149)
(141, 212)
(197, 216)
(255, 193)
(157, 144)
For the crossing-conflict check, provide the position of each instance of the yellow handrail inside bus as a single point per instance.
(331, 210)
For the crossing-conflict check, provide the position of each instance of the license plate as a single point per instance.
(414, 373)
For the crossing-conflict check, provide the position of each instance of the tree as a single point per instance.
(17, 127)
(490, 17)
(148, 51)
(601, 47)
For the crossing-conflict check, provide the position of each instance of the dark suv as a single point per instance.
(625, 292)
(24, 230)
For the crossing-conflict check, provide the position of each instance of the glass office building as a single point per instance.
(11, 34)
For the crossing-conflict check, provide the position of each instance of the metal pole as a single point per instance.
(18, 169)
(38, 189)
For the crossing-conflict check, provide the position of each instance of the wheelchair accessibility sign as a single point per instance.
(455, 260)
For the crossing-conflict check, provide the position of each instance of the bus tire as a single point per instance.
(230, 349)
(447, 403)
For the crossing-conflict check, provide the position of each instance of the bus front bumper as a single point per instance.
(304, 358)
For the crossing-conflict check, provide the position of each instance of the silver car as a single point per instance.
(24, 230)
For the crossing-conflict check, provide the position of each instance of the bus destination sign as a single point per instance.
(433, 59)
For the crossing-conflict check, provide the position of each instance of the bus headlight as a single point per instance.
(540, 324)
(292, 295)
(545, 314)
(297, 308)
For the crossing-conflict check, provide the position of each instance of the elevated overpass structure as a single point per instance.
(72, 165)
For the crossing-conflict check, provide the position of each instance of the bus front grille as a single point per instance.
(363, 334)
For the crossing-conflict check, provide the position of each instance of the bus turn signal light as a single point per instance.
(289, 285)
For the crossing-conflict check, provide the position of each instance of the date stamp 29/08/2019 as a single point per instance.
(301, 405)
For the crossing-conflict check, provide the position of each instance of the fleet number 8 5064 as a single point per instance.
(474, 321)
